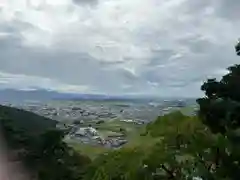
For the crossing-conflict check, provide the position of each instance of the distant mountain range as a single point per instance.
(13, 96)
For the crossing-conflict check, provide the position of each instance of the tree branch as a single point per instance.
(170, 173)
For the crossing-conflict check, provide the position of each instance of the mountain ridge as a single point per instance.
(17, 96)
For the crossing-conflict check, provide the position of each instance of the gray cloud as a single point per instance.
(85, 2)
(118, 47)
(229, 9)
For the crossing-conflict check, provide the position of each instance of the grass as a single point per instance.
(138, 138)
(135, 140)
(134, 134)
(107, 133)
(112, 127)
(89, 150)
(188, 110)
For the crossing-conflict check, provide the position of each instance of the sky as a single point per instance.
(148, 47)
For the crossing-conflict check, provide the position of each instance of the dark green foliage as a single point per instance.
(118, 165)
(14, 137)
(183, 149)
(54, 160)
(180, 143)
(220, 109)
(26, 121)
(45, 154)
(166, 124)
(237, 48)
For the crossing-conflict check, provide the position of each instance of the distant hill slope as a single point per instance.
(19, 96)
(35, 149)
(27, 121)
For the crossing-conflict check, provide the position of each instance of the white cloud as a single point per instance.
(118, 46)
(22, 81)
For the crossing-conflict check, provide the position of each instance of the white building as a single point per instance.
(86, 131)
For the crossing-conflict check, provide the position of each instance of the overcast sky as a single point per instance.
(157, 47)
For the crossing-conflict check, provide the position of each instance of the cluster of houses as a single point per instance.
(90, 135)
(69, 112)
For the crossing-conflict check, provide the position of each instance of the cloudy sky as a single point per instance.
(153, 47)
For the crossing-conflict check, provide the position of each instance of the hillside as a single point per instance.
(28, 121)
(33, 143)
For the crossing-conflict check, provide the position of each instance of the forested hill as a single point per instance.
(38, 145)
(27, 121)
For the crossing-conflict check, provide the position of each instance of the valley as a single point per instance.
(93, 127)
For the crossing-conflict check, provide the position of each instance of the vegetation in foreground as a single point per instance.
(181, 147)
(40, 146)
(174, 146)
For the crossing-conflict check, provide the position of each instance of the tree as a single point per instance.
(182, 148)
(54, 160)
(123, 164)
(220, 108)
(45, 155)
(220, 111)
